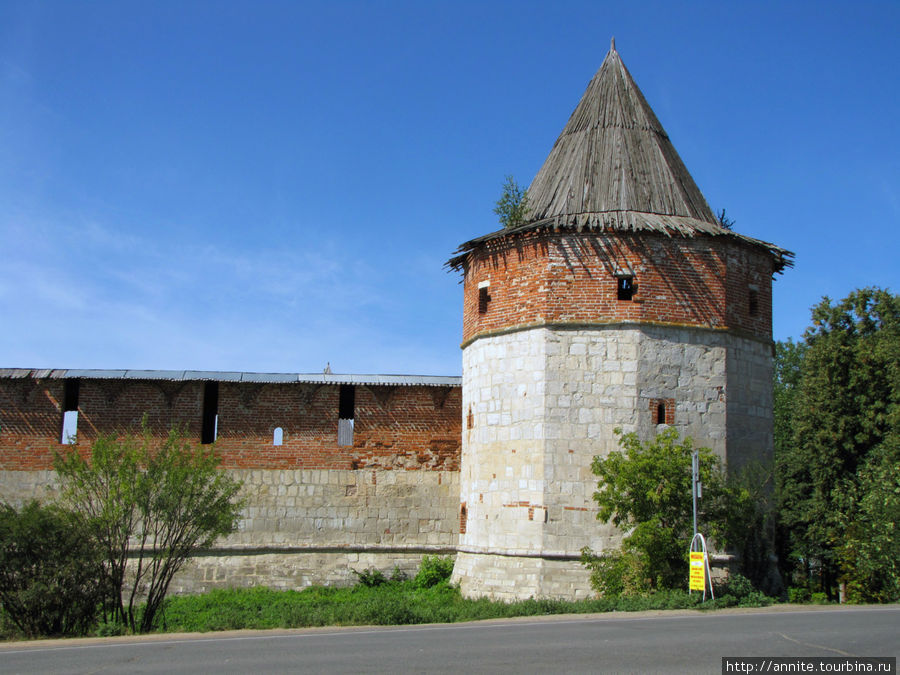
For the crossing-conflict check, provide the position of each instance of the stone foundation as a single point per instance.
(519, 577)
(307, 527)
(540, 404)
(292, 569)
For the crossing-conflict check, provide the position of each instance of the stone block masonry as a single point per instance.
(316, 510)
(541, 403)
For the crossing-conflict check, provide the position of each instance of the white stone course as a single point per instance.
(559, 395)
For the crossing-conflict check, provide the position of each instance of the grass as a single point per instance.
(392, 603)
(377, 600)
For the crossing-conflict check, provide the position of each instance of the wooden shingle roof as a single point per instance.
(614, 169)
(614, 157)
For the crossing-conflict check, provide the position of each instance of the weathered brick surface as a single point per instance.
(570, 278)
(403, 428)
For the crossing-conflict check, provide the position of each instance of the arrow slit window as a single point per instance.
(346, 412)
(70, 412)
(484, 296)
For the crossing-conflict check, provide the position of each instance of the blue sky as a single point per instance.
(271, 186)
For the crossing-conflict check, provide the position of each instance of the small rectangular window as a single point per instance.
(346, 414)
(71, 389)
(662, 410)
(753, 302)
(483, 299)
(625, 290)
(210, 423)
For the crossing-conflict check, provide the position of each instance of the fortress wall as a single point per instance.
(315, 509)
(305, 527)
(395, 427)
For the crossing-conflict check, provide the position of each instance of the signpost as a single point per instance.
(698, 571)
(699, 566)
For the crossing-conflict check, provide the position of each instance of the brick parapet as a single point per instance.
(395, 427)
(559, 278)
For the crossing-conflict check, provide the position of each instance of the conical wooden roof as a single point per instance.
(614, 169)
(613, 159)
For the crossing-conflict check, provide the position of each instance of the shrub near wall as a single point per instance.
(51, 571)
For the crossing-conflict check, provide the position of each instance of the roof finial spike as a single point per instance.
(612, 44)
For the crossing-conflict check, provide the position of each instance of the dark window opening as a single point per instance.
(662, 410)
(483, 299)
(210, 420)
(70, 412)
(346, 402)
(470, 419)
(753, 302)
(463, 518)
(346, 413)
(625, 290)
(70, 395)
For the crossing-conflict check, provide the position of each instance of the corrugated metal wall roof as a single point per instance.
(228, 376)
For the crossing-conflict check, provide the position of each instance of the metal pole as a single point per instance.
(695, 478)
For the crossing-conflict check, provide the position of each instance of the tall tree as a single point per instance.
(847, 404)
(150, 508)
(786, 387)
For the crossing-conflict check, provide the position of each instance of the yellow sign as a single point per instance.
(698, 571)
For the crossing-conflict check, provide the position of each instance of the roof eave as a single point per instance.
(671, 226)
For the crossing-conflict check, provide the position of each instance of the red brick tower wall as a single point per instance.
(552, 279)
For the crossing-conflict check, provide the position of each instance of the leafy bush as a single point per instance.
(51, 571)
(647, 487)
(739, 591)
(433, 570)
(149, 508)
(399, 575)
(616, 573)
(110, 629)
(798, 594)
(370, 577)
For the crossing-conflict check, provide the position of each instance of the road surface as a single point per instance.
(677, 641)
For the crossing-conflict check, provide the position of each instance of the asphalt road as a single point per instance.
(689, 642)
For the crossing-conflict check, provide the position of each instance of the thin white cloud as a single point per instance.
(93, 296)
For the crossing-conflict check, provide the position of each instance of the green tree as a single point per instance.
(51, 570)
(150, 509)
(512, 207)
(646, 490)
(870, 554)
(846, 406)
(787, 376)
